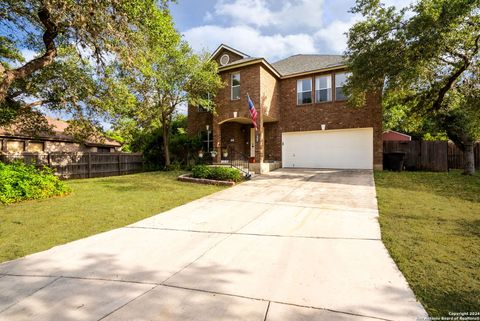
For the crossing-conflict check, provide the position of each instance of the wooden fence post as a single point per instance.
(89, 160)
(119, 165)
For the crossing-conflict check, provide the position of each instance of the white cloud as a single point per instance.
(250, 41)
(208, 17)
(283, 14)
(334, 35)
(249, 12)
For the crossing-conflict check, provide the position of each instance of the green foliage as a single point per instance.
(201, 171)
(183, 148)
(22, 182)
(424, 60)
(162, 80)
(174, 166)
(217, 173)
(75, 42)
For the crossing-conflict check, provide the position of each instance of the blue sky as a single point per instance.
(273, 29)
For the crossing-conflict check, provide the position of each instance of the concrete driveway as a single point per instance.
(292, 245)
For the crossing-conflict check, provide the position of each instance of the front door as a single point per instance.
(252, 142)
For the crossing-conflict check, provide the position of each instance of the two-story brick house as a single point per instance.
(303, 119)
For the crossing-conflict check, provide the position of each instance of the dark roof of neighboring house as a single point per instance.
(58, 128)
(298, 64)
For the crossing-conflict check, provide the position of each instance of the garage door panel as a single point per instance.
(343, 149)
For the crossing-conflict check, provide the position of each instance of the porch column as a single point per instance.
(217, 140)
(260, 152)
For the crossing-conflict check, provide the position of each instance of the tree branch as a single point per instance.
(36, 103)
(51, 32)
(451, 80)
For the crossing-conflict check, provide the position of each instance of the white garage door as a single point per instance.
(344, 149)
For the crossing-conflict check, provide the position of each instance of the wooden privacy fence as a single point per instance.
(456, 159)
(83, 165)
(436, 156)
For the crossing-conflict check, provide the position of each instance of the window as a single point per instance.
(304, 91)
(225, 59)
(340, 80)
(35, 147)
(207, 141)
(235, 86)
(323, 88)
(15, 146)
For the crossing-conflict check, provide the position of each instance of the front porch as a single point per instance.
(236, 141)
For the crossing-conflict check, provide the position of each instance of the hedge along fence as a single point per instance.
(438, 156)
(82, 165)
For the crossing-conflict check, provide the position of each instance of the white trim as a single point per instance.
(304, 91)
(232, 86)
(252, 141)
(318, 88)
(233, 65)
(223, 46)
(305, 73)
(227, 58)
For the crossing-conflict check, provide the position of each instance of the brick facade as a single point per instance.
(275, 99)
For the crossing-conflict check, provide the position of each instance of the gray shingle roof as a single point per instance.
(305, 63)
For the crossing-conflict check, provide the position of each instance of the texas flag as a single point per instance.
(253, 111)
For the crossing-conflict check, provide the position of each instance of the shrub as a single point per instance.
(174, 166)
(22, 182)
(218, 173)
(201, 171)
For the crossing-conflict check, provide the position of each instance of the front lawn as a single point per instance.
(431, 226)
(95, 205)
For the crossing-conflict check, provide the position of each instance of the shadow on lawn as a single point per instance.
(446, 300)
(452, 184)
(472, 228)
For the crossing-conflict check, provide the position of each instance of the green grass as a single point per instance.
(431, 226)
(94, 206)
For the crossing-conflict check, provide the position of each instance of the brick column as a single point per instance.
(217, 140)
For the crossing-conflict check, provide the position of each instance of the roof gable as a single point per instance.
(222, 48)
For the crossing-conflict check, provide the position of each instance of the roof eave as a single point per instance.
(249, 63)
(305, 73)
(224, 46)
(275, 72)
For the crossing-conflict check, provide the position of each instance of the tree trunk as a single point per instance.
(166, 141)
(469, 166)
(7, 78)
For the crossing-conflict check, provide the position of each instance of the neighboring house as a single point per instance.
(12, 142)
(295, 99)
(391, 135)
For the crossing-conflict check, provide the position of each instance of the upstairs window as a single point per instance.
(235, 86)
(340, 79)
(323, 88)
(304, 91)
